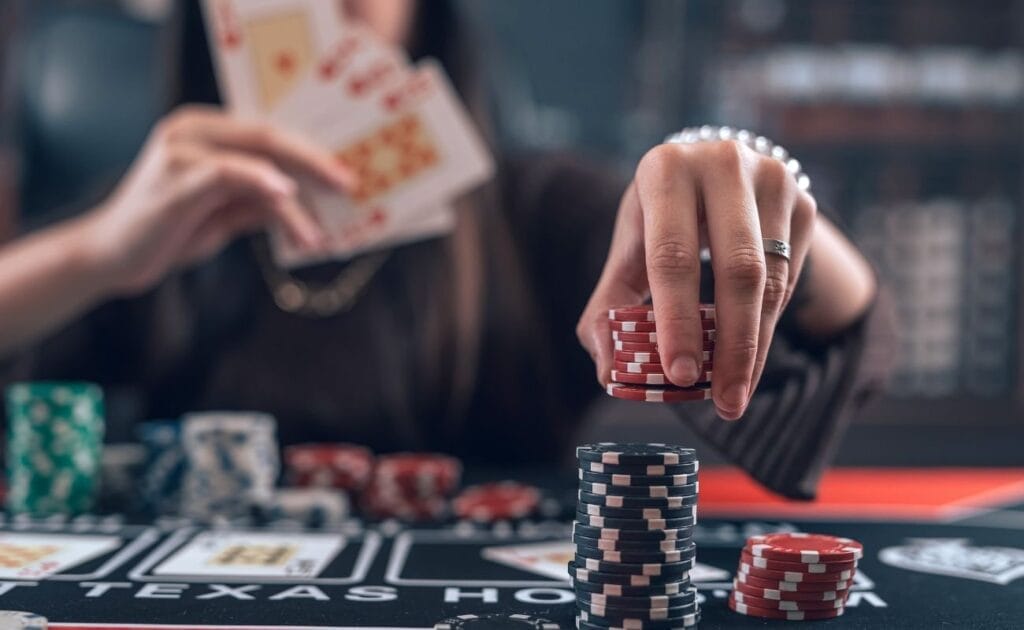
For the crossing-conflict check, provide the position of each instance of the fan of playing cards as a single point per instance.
(400, 128)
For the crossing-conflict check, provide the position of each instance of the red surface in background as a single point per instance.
(918, 493)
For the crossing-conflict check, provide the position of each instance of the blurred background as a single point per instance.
(908, 116)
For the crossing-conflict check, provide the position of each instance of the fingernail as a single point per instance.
(684, 371)
(734, 398)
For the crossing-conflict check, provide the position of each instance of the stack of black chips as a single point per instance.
(635, 515)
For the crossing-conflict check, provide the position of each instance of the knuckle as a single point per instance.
(743, 351)
(662, 161)
(673, 258)
(775, 288)
(773, 177)
(727, 155)
(745, 266)
(806, 208)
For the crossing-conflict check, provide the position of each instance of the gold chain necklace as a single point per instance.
(318, 300)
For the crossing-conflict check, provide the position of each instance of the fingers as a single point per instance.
(739, 263)
(776, 194)
(214, 127)
(220, 176)
(668, 200)
(623, 281)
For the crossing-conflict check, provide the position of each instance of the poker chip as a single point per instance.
(55, 439)
(658, 394)
(645, 514)
(646, 481)
(496, 622)
(686, 619)
(650, 327)
(634, 524)
(653, 378)
(633, 545)
(593, 576)
(649, 569)
(805, 548)
(611, 533)
(344, 466)
(650, 470)
(636, 454)
(654, 492)
(656, 367)
(796, 576)
(635, 502)
(806, 587)
(637, 617)
(686, 597)
(652, 356)
(785, 604)
(635, 557)
(20, 620)
(164, 466)
(645, 313)
(496, 501)
(768, 593)
(425, 474)
(788, 615)
(707, 336)
(653, 590)
(801, 567)
(682, 623)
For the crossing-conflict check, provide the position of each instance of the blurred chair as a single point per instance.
(88, 82)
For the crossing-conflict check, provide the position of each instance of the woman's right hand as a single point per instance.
(203, 179)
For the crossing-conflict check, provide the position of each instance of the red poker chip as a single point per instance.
(783, 585)
(652, 358)
(793, 596)
(652, 378)
(491, 502)
(429, 473)
(658, 394)
(655, 368)
(788, 604)
(645, 312)
(789, 615)
(806, 548)
(796, 576)
(649, 327)
(802, 567)
(646, 346)
(344, 466)
(644, 337)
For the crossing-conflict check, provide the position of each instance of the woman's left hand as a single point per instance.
(727, 196)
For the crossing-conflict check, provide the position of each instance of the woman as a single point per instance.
(463, 344)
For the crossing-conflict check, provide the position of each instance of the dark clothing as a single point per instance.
(213, 338)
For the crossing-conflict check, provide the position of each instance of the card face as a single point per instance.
(263, 49)
(549, 559)
(256, 554)
(28, 556)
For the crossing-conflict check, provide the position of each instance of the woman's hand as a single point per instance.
(727, 196)
(202, 179)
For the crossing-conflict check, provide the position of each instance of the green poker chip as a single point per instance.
(54, 443)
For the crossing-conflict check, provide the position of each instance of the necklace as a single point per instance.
(321, 299)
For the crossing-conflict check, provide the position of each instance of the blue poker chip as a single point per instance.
(619, 479)
(654, 492)
(620, 590)
(496, 622)
(635, 454)
(612, 501)
(615, 533)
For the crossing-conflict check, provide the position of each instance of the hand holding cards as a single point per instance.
(400, 129)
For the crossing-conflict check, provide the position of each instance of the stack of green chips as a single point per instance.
(54, 444)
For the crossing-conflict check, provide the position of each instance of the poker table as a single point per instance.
(943, 548)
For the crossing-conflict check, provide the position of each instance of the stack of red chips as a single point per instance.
(795, 576)
(412, 486)
(347, 467)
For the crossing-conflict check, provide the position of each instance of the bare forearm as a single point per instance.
(840, 283)
(46, 279)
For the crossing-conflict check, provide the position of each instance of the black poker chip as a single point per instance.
(635, 454)
(665, 503)
(581, 573)
(635, 568)
(645, 546)
(636, 480)
(619, 590)
(633, 617)
(589, 622)
(690, 469)
(637, 557)
(686, 597)
(634, 523)
(687, 511)
(614, 533)
(496, 622)
(685, 490)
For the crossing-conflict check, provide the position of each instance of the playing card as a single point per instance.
(36, 556)
(255, 554)
(263, 49)
(549, 559)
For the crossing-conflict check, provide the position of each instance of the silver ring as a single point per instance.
(777, 247)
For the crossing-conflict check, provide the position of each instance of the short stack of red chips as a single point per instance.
(637, 373)
(795, 576)
(344, 466)
(411, 486)
(502, 500)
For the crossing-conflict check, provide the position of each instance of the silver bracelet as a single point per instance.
(764, 146)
